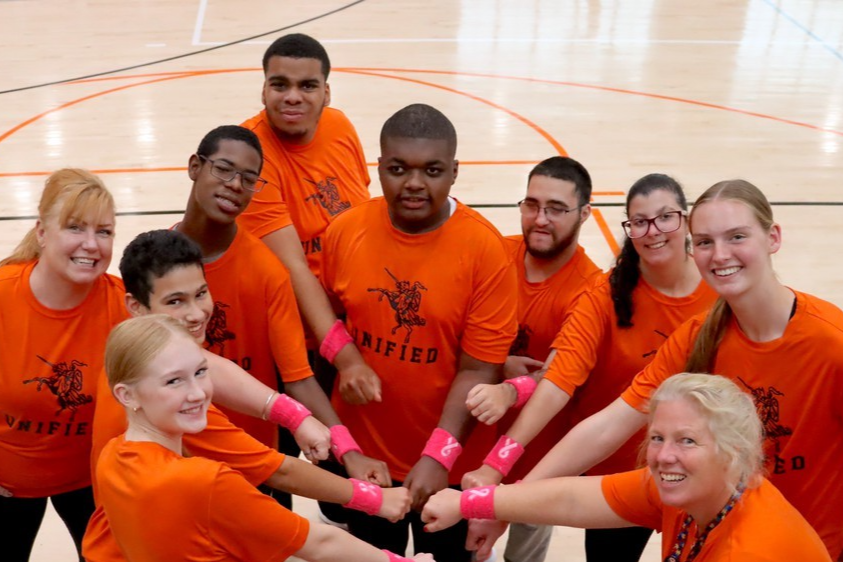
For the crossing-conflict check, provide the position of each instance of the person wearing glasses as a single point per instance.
(256, 322)
(553, 270)
(612, 332)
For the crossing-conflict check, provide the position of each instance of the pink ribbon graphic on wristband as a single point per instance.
(288, 413)
(478, 503)
(443, 448)
(365, 497)
(524, 388)
(504, 455)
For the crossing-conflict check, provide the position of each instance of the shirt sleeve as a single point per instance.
(223, 441)
(578, 342)
(267, 212)
(633, 497)
(250, 525)
(670, 360)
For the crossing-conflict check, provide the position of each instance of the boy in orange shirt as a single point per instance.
(430, 296)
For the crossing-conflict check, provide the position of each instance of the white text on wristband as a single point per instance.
(443, 448)
(365, 497)
(288, 413)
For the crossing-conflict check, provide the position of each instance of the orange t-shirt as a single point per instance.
(762, 526)
(49, 361)
(413, 303)
(309, 185)
(595, 359)
(256, 322)
(797, 384)
(541, 309)
(221, 441)
(166, 508)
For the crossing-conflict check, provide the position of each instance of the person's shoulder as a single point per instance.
(255, 123)
(820, 313)
(13, 271)
(472, 219)
(585, 267)
(364, 213)
(113, 283)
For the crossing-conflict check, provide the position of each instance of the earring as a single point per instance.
(135, 409)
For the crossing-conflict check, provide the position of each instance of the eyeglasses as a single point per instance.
(665, 222)
(249, 180)
(531, 209)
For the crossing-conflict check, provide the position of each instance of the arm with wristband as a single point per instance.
(430, 473)
(489, 402)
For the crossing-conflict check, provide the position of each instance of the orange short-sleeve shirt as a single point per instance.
(762, 527)
(796, 382)
(596, 360)
(309, 185)
(165, 508)
(413, 304)
(49, 363)
(256, 322)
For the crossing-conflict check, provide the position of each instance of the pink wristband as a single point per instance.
(336, 339)
(394, 557)
(524, 387)
(478, 503)
(365, 497)
(443, 448)
(342, 442)
(504, 454)
(288, 413)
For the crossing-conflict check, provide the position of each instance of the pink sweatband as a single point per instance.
(336, 339)
(524, 387)
(394, 557)
(365, 497)
(478, 503)
(288, 413)
(443, 448)
(504, 455)
(342, 442)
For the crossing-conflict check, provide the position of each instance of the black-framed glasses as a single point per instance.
(225, 172)
(665, 222)
(531, 209)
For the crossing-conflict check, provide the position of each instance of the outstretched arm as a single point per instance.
(328, 544)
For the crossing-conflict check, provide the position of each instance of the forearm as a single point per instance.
(236, 389)
(455, 418)
(304, 479)
(591, 441)
(310, 394)
(547, 401)
(329, 544)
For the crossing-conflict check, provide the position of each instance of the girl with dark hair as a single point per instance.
(612, 332)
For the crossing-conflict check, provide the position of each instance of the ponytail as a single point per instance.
(27, 250)
(622, 281)
(704, 353)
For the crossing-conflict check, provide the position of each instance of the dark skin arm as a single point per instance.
(428, 476)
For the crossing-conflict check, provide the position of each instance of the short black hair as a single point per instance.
(298, 46)
(420, 121)
(152, 255)
(211, 142)
(567, 169)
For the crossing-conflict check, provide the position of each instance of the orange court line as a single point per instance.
(607, 232)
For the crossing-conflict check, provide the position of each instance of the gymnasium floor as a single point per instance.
(703, 91)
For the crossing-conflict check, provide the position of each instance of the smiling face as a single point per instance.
(222, 201)
(79, 251)
(294, 94)
(731, 248)
(416, 175)
(683, 458)
(658, 248)
(547, 237)
(181, 293)
(173, 392)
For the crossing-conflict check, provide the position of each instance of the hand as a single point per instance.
(518, 366)
(442, 510)
(482, 536)
(5, 493)
(483, 476)
(396, 503)
(425, 479)
(489, 402)
(314, 439)
(367, 469)
(359, 384)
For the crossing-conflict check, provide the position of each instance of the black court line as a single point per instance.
(477, 206)
(184, 55)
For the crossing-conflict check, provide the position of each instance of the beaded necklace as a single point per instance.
(682, 537)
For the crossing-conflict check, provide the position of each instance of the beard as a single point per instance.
(557, 248)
